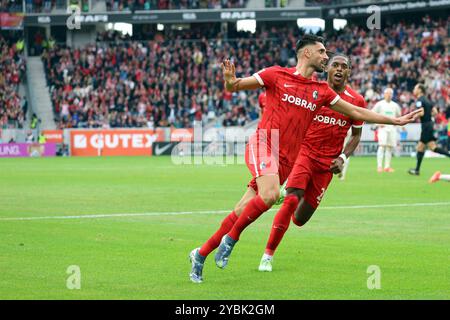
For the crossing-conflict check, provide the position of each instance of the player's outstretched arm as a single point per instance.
(357, 113)
(234, 84)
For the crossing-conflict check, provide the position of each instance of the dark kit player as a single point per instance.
(427, 138)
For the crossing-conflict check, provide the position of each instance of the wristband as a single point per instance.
(343, 157)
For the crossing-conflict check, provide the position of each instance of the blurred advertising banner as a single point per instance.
(13, 150)
(237, 148)
(11, 21)
(182, 135)
(55, 136)
(370, 148)
(126, 142)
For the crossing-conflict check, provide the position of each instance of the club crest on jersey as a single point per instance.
(315, 94)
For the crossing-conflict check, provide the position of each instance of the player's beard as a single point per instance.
(320, 67)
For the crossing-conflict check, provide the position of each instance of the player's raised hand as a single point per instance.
(233, 84)
(229, 70)
(408, 118)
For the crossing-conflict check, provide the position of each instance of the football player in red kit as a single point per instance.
(320, 156)
(292, 102)
(262, 102)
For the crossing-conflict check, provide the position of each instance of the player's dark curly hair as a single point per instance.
(308, 39)
(337, 54)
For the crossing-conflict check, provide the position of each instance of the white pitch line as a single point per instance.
(95, 216)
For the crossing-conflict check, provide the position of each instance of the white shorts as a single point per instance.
(387, 137)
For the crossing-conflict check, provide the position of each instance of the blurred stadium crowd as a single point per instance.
(40, 6)
(334, 2)
(165, 82)
(37, 6)
(174, 79)
(12, 65)
(132, 5)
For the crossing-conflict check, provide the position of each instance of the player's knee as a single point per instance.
(239, 208)
(292, 200)
(298, 193)
(270, 196)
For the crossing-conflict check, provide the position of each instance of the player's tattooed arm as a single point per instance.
(357, 113)
(234, 84)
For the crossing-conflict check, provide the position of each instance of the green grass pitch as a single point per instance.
(146, 256)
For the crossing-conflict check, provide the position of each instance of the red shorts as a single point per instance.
(261, 161)
(283, 173)
(311, 176)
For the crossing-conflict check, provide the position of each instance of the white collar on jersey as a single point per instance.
(347, 93)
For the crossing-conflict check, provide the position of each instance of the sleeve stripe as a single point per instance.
(357, 127)
(260, 80)
(336, 99)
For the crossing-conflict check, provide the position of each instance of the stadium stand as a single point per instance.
(398, 56)
(12, 66)
(149, 83)
(47, 6)
(11, 6)
(336, 2)
(164, 82)
(38, 6)
(275, 3)
(132, 5)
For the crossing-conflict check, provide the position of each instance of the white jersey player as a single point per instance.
(387, 134)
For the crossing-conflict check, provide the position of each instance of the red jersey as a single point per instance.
(324, 140)
(262, 101)
(292, 102)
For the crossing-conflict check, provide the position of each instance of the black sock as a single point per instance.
(419, 160)
(441, 151)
